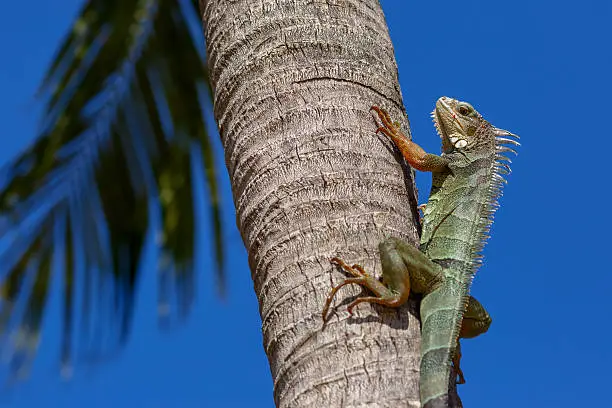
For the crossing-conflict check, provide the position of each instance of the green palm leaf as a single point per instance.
(122, 122)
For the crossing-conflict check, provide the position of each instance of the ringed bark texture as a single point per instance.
(293, 84)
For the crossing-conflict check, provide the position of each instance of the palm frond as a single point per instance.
(122, 121)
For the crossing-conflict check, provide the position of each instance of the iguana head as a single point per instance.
(462, 128)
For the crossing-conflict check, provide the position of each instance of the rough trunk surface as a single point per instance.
(293, 84)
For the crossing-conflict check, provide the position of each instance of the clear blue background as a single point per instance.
(539, 68)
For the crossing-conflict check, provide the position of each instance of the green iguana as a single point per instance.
(467, 181)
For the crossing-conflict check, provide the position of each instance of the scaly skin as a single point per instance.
(467, 181)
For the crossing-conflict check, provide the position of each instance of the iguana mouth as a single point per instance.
(435, 115)
(451, 112)
(443, 108)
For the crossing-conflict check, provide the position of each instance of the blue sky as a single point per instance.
(538, 68)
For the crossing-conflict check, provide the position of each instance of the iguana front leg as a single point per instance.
(412, 152)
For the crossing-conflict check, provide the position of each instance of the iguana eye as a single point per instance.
(464, 109)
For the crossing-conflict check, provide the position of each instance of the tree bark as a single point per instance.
(293, 84)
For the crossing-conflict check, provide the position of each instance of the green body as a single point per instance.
(467, 181)
(455, 221)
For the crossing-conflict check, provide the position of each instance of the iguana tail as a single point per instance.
(441, 316)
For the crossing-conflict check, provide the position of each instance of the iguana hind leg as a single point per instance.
(401, 262)
(361, 277)
(476, 321)
(406, 268)
(457, 364)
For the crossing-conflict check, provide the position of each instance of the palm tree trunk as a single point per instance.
(293, 84)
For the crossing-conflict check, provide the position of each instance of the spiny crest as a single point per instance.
(500, 168)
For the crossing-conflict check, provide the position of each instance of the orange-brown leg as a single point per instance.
(457, 364)
(421, 209)
(330, 297)
(360, 269)
(391, 300)
(361, 277)
(355, 270)
(414, 154)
